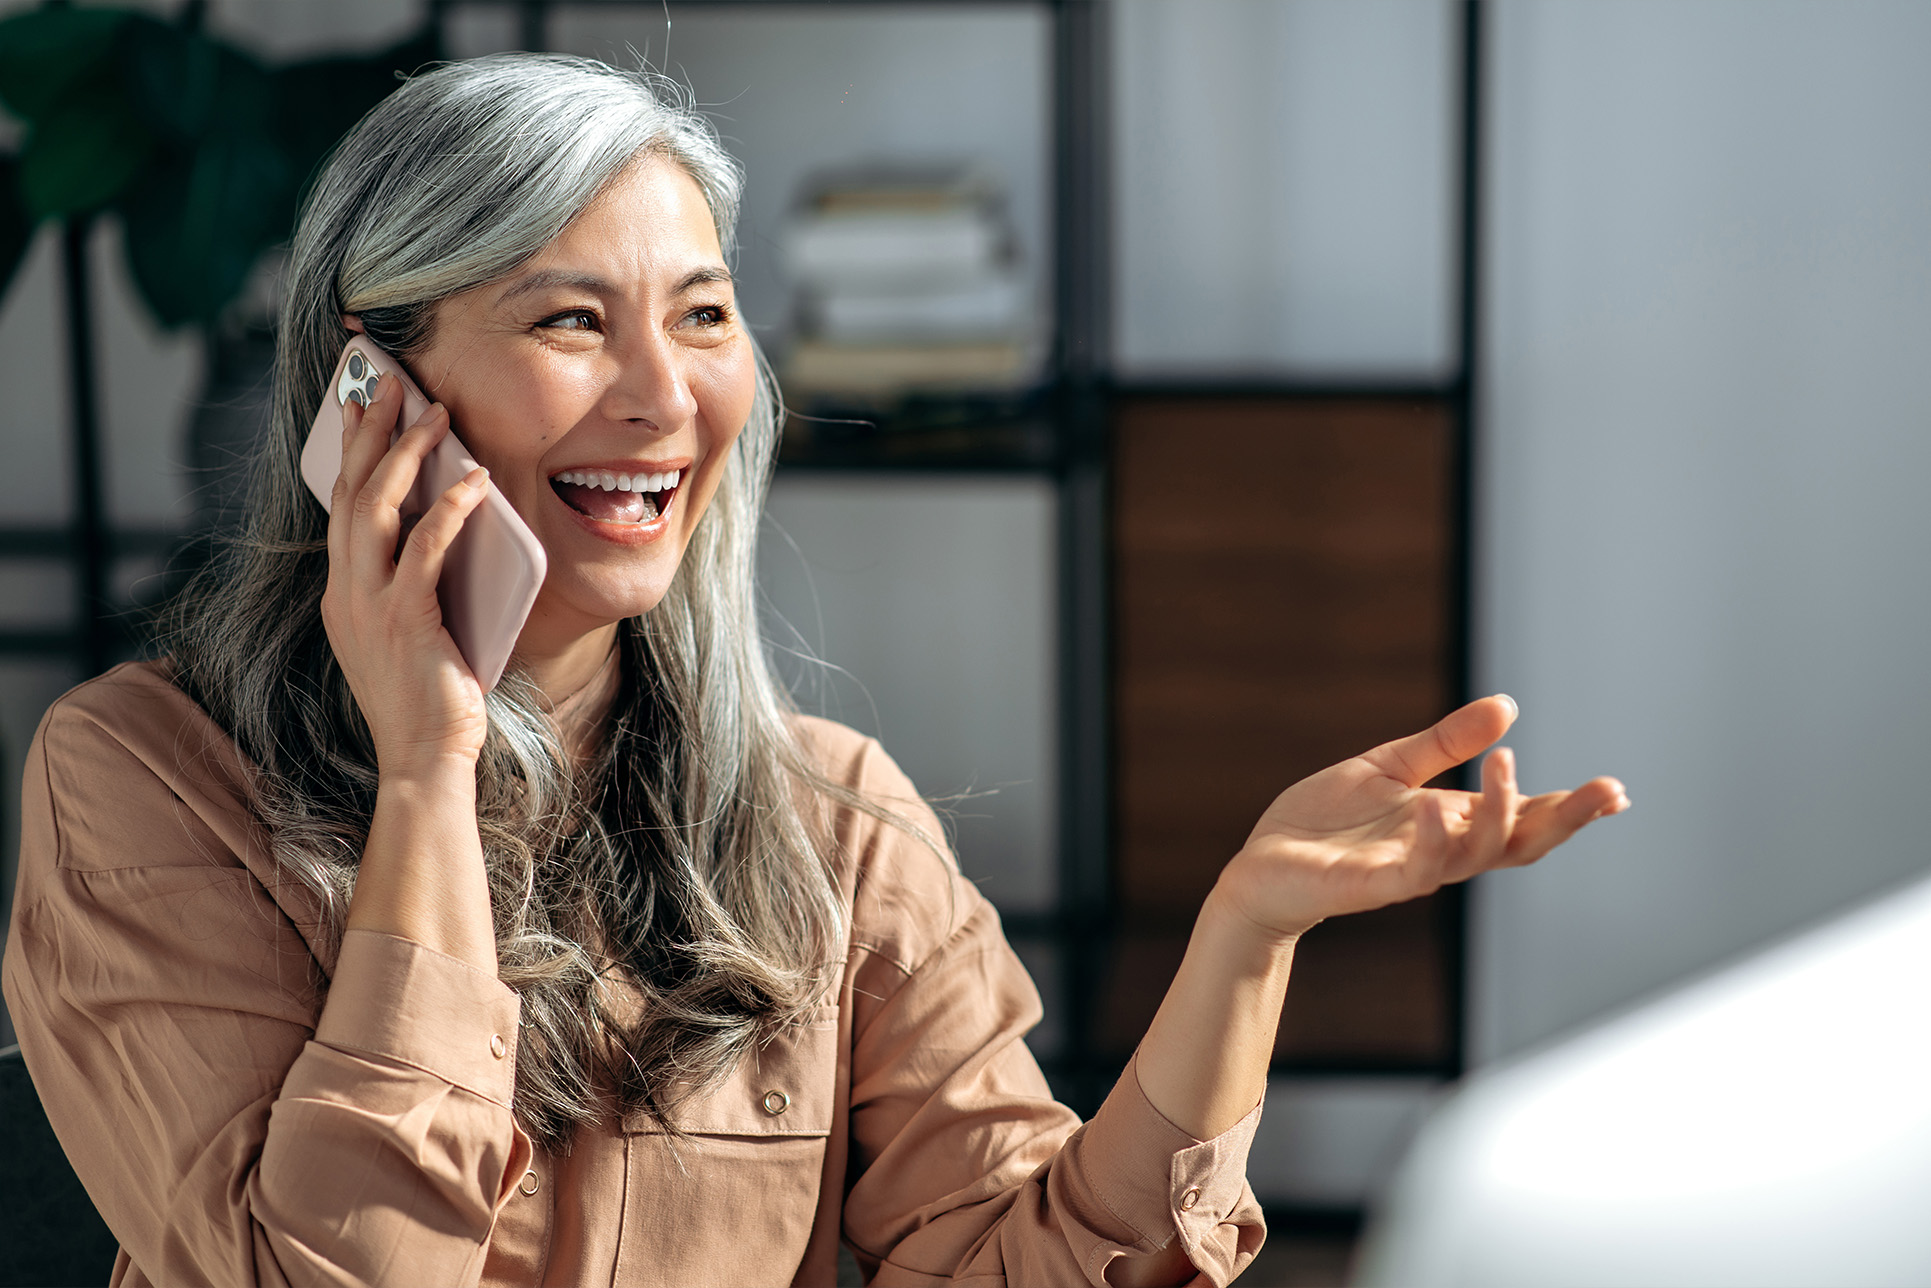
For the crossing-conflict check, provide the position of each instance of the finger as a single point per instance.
(423, 554)
(378, 505)
(366, 432)
(365, 438)
(1495, 813)
(1458, 736)
(1548, 820)
(1428, 862)
(338, 528)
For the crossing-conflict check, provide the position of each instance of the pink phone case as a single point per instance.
(494, 567)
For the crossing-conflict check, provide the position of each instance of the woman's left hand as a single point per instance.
(1365, 833)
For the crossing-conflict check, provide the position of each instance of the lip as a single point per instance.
(625, 534)
(622, 534)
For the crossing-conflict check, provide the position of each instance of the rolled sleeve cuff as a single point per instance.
(396, 999)
(1206, 1181)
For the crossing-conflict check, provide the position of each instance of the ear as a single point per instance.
(353, 323)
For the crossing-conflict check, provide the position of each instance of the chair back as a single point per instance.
(53, 1235)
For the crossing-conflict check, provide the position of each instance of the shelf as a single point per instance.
(993, 433)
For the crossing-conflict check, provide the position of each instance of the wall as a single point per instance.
(932, 601)
(1702, 524)
(1283, 181)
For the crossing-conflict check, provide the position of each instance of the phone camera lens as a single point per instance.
(356, 366)
(373, 382)
(357, 397)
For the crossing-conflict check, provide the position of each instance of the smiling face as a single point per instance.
(603, 384)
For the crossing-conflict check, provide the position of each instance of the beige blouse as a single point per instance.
(247, 1105)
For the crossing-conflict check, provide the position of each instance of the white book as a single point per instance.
(846, 248)
(992, 306)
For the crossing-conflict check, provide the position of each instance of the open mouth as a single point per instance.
(613, 497)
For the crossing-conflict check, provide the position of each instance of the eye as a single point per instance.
(573, 320)
(708, 315)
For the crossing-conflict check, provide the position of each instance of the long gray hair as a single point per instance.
(689, 852)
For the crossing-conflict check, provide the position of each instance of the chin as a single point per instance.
(615, 605)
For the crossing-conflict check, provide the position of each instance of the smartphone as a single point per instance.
(494, 567)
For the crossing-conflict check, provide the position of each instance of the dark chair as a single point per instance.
(50, 1234)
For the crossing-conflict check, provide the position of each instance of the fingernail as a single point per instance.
(477, 477)
(1515, 708)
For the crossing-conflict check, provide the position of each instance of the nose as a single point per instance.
(648, 384)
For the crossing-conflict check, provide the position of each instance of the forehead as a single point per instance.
(651, 218)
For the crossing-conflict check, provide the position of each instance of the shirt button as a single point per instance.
(776, 1102)
(497, 1047)
(1189, 1200)
(529, 1184)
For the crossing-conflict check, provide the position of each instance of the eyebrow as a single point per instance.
(544, 279)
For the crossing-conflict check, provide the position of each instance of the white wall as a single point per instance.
(1283, 176)
(933, 602)
(1703, 526)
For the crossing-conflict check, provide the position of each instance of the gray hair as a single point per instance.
(686, 851)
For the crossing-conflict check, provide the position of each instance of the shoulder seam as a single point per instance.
(884, 954)
(952, 936)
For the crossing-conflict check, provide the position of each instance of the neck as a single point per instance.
(579, 679)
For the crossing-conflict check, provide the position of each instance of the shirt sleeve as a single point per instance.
(963, 1167)
(235, 1119)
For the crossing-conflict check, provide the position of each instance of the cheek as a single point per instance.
(507, 419)
(725, 396)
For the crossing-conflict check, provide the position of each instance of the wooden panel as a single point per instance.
(1282, 602)
(1367, 990)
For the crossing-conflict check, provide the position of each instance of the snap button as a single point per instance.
(529, 1184)
(1189, 1200)
(497, 1047)
(776, 1102)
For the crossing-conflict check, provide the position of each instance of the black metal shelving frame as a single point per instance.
(1062, 434)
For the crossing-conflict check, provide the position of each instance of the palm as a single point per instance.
(1365, 833)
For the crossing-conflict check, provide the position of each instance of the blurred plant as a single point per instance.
(202, 150)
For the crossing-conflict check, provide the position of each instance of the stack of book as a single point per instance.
(907, 282)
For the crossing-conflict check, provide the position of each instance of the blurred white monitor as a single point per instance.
(1767, 1126)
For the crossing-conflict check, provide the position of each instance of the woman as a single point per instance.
(331, 968)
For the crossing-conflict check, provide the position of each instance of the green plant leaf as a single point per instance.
(171, 75)
(83, 149)
(198, 219)
(16, 225)
(44, 52)
(185, 85)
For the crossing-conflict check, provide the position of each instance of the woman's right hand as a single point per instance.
(423, 705)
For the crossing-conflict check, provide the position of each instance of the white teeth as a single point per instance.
(611, 482)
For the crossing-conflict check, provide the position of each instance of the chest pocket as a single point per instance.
(741, 1194)
(786, 1089)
